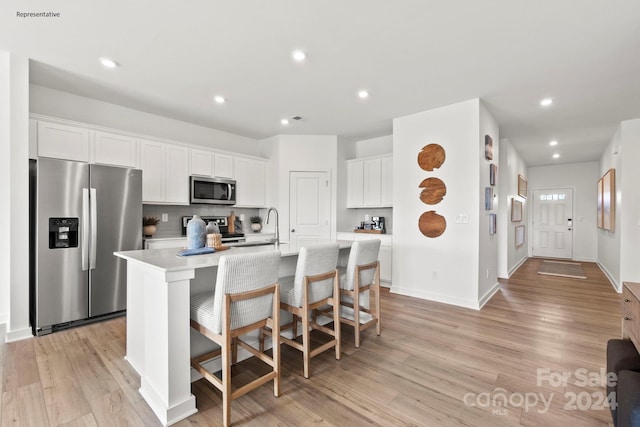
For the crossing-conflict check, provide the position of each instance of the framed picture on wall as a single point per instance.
(519, 235)
(599, 211)
(522, 186)
(609, 200)
(493, 172)
(488, 198)
(492, 224)
(488, 147)
(516, 210)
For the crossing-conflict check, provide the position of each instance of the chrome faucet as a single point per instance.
(277, 237)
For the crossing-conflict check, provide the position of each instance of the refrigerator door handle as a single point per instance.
(94, 229)
(85, 229)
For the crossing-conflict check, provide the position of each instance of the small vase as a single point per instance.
(256, 227)
(196, 233)
(149, 230)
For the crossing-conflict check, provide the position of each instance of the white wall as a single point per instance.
(582, 178)
(300, 153)
(629, 218)
(618, 249)
(511, 165)
(14, 195)
(445, 268)
(5, 190)
(608, 246)
(374, 146)
(488, 244)
(54, 103)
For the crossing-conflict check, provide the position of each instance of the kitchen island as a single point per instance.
(158, 331)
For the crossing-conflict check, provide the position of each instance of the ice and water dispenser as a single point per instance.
(63, 233)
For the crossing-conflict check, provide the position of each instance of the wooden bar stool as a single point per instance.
(246, 298)
(361, 274)
(315, 284)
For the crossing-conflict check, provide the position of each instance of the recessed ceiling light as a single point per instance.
(363, 94)
(109, 63)
(546, 102)
(298, 55)
(553, 143)
(284, 122)
(556, 155)
(219, 99)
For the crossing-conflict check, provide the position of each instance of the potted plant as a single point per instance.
(256, 223)
(149, 225)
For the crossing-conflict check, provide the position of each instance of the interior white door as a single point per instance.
(553, 223)
(310, 206)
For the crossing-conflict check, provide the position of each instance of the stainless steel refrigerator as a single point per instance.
(80, 214)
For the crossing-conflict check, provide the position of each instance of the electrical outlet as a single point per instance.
(434, 275)
(165, 217)
(488, 271)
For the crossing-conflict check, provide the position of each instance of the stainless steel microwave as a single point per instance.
(213, 191)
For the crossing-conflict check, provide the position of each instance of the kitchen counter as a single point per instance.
(158, 331)
(167, 260)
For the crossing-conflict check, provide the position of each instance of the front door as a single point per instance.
(553, 223)
(310, 206)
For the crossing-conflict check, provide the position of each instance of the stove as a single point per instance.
(223, 224)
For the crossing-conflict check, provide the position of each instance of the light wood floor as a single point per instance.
(431, 363)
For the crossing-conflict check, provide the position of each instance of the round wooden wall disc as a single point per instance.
(431, 157)
(432, 224)
(433, 191)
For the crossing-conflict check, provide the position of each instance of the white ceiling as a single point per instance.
(412, 55)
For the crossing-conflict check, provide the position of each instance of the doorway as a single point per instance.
(310, 206)
(553, 223)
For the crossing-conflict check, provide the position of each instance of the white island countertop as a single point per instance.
(168, 260)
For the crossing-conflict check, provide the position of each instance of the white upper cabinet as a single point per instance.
(63, 142)
(223, 165)
(355, 184)
(165, 173)
(372, 182)
(152, 162)
(386, 179)
(251, 182)
(114, 149)
(176, 174)
(201, 162)
(369, 182)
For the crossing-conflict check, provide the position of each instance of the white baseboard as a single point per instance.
(488, 295)
(18, 335)
(431, 296)
(517, 266)
(613, 281)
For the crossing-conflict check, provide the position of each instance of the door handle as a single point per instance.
(293, 230)
(94, 229)
(85, 229)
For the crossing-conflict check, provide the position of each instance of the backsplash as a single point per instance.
(173, 227)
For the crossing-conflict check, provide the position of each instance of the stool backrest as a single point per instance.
(313, 260)
(241, 273)
(362, 252)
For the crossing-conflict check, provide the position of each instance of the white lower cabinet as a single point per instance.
(177, 242)
(385, 255)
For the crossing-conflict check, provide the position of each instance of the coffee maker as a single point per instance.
(378, 223)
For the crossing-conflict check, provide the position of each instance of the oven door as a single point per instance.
(212, 191)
